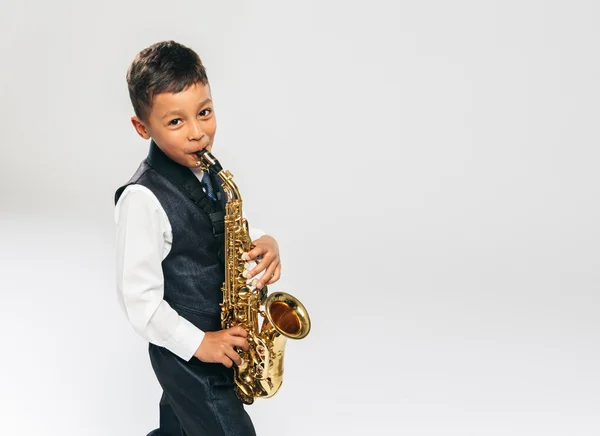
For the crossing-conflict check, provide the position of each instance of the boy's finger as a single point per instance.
(276, 276)
(247, 267)
(264, 263)
(237, 331)
(234, 356)
(270, 272)
(256, 251)
(241, 343)
(225, 360)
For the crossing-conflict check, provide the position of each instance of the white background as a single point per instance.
(430, 170)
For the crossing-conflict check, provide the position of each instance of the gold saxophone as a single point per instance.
(284, 316)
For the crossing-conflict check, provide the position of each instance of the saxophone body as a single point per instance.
(283, 316)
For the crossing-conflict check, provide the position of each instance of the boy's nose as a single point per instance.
(195, 132)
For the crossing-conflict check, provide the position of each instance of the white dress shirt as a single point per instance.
(144, 239)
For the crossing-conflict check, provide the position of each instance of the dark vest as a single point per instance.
(193, 270)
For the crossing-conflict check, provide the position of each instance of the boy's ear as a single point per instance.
(140, 127)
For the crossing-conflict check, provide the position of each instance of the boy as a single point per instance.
(170, 248)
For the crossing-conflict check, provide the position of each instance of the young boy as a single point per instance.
(170, 248)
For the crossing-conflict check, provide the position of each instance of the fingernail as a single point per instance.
(244, 256)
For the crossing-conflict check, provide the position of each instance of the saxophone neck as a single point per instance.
(210, 163)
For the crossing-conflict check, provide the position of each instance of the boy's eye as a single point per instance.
(203, 113)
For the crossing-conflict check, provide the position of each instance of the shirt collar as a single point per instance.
(198, 172)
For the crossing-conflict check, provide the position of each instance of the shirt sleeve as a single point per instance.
(143, 241)
(254, 232)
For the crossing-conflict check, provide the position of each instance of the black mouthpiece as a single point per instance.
(213, 164)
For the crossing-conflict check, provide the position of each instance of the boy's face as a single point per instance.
(181, 124)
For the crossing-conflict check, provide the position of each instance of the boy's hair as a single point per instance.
(166, 66)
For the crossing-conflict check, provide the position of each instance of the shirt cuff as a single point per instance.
(256, 233)
(185, 340)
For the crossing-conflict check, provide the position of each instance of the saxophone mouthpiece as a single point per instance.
(210, 161)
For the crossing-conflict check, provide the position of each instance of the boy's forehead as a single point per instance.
(190, 97)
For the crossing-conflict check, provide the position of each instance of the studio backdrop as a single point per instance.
(429, 169)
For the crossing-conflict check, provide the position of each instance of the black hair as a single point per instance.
(165, 66)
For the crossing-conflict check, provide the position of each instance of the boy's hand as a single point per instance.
(266, 251)
(217, 347)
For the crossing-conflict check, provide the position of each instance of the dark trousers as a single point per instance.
(198, 398)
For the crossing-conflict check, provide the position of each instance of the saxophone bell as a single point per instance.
(286, 315)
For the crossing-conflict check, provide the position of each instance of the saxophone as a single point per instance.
(284, 316)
